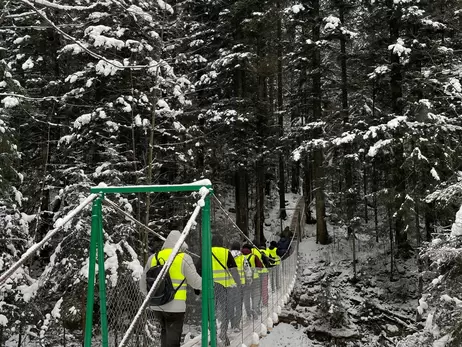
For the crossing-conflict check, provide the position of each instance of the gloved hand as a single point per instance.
(197, 292)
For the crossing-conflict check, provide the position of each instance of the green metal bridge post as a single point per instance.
(101, 274)
(208, 300)
(91, 273)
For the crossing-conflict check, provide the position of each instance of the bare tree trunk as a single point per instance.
(282, 199)
(149, 173)
(321, 228)
(396, 92)
(366, 213)
(392, 259)
(374, 189)
(242, 199)
(259, 202)
(350, 194)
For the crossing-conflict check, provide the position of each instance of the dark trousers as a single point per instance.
(171, 324)
(256, 295)
(236, 297)
(223, 306)
(246, 294)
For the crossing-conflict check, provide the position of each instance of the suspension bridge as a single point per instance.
(113, 291)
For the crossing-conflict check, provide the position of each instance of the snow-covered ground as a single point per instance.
(328, 304)
(286, 335)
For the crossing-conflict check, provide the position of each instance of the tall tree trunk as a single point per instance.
(144, 244)
(259, 202)
(241, 182)
(282, 198)
(242, 199)
(262, 114)
(429, 217)
(349, 184)
(308, 188)
(392, 251)
(374, 190)
(397, 108)
(321, 228)
(365, 180)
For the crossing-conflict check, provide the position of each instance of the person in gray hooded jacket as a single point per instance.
(182, 272)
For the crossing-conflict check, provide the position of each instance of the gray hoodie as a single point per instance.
(188, 269)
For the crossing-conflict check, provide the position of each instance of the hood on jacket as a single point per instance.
(235, 253)
(246, 250)
(172, 239)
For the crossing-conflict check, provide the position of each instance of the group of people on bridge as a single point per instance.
(240, 276)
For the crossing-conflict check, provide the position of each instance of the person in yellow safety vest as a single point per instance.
(182, 272)
(256, 266)
(272, 252)
(261, 255)
(227, 284)
(264, 273)
(246, 276)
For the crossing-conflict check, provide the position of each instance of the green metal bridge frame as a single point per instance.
(97, 248)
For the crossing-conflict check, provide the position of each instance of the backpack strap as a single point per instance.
(225, 268)
(159, 264)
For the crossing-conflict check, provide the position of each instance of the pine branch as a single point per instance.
(81, 45)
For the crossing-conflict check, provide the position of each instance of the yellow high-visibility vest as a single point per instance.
(240, 267)
(251, 259)
(174, 272)
(257, 253)
(221, 272)
(273, 254)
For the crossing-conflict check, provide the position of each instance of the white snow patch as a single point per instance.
(3, 320)
(456, 229)
(435, 174)
(28, 64)
(10, 102)
(56, 312)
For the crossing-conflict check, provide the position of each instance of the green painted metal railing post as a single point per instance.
(208, 300)
(91, 275)
(101, 274)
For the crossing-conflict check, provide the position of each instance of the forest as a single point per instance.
(353, 104)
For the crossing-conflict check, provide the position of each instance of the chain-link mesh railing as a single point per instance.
(248, 311)
(125, 299)
(243, 314)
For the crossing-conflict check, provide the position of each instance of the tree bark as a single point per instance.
(242, 199)
(397, 108)
(144, 244)
(259, 202)
(321, 228)
(349, 179)
(282, 198)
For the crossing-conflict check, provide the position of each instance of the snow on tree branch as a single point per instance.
(95, 55)
(67, 7)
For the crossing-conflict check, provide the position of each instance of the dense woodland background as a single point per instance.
(355, 104)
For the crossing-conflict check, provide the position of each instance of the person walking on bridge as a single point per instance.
(246, 276)
(182, 272)
(257, 266)
(227, 283)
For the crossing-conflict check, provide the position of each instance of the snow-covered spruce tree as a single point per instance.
(110, 87)
(439, 307)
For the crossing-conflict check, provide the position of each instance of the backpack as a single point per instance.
(248, 271)
(165, 291)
